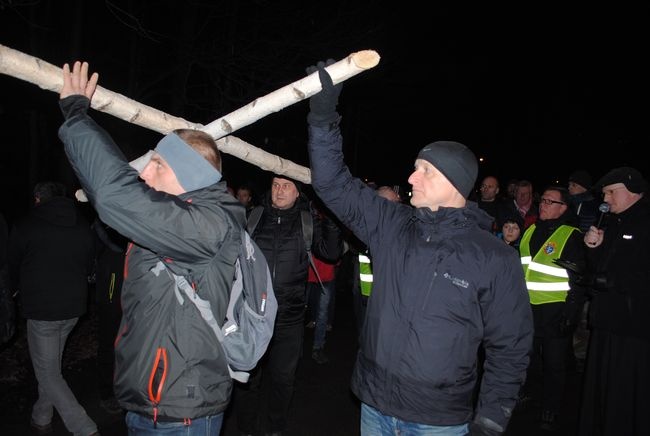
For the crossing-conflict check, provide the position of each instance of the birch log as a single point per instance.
(49, 77)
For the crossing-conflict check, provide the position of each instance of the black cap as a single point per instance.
(582, 178)
(630, 177)
(455, 161)
(298, 184)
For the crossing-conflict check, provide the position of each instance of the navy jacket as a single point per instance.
(443, 285)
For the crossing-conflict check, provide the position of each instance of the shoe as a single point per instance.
(319, 356)
(110, 405)
(548, 420)
(41, 429)
(311, 324)
(329, 327)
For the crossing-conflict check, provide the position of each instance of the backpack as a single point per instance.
(307, 223)
(250, 317)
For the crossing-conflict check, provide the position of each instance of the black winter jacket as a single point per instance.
(167, 360)
(623, 260)
(51, 253)
(443, 285)
(279, 236)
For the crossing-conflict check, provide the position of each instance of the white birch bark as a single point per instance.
(49, 77)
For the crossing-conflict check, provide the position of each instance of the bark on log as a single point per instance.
(49, 77)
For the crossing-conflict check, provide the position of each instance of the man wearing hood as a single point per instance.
(279, 235)
(443, 285)
(51, 253)
(555, 299)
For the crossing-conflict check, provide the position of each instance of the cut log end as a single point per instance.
(365, 59)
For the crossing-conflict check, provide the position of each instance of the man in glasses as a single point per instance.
(556, 301)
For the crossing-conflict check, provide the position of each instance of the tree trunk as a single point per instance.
(49, 77)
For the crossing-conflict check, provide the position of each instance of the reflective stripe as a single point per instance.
(539, 286)
(550, 270)
(525, 260)
(364, 259)
(366, 278)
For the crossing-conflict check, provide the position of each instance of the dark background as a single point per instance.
(535, 92)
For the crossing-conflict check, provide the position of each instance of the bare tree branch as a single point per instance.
(49, 77)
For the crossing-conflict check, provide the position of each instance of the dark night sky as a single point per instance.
(534, 92)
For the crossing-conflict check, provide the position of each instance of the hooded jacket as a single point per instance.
(51, 254)
(168, 363)
(443, 285)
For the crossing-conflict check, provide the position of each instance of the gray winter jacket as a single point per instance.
(442, 287)
(168, 361)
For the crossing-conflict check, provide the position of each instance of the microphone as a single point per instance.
(603, 208)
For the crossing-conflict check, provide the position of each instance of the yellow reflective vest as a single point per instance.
(546, 281)
(365, 274)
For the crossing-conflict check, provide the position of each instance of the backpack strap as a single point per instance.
(307, 223)
(205, 309)
(254, 219)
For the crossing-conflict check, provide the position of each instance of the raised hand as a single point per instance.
(323, 104)
(76, 82)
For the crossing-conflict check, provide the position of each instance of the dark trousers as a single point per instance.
(262, 404)
(548, 365)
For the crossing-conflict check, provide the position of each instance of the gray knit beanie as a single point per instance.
(455, 161)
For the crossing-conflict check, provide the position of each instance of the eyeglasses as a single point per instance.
(548, 201)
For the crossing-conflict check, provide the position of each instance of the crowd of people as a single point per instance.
(464, 298)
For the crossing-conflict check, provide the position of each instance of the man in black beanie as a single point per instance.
(443, 286)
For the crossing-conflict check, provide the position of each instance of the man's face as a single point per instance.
(244, 196)
(551, 205)
(157, 174)
(430, 188)
(524, 195)
(618, 197)
(283, 193)
(489, 189)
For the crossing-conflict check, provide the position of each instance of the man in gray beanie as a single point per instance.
(170, 376)
(443, 287)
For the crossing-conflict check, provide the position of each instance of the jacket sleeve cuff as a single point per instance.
(74, 104)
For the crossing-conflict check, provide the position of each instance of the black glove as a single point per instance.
(476, 429)
(322, 106)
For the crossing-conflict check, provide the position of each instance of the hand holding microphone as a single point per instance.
(594, 236)
(603, 208)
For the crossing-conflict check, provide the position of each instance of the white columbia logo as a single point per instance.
(456, 281)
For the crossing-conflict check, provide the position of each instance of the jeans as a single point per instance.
(263, 402)
(140, 425)
(321, 297)
(46, 341)
(373, 423)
